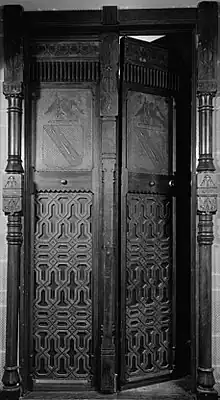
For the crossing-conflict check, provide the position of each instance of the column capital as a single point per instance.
(13, 89)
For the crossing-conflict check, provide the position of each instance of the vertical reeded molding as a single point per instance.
(12, 192)
(207, 29)
(108, 112)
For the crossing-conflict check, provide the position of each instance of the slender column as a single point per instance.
(108, 112)
(206, 190)
(12, 193)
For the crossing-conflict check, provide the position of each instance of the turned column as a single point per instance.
(206, 190)
(108, 113)
(12, 193)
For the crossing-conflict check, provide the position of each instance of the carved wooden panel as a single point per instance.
(64, 71)
(64, 129)
(148, 285)
(147, 130)
(146, 64)
(109, 71)
(63, 49)
(152, 56)
(63, 61)
(62, 323)
(12, 193)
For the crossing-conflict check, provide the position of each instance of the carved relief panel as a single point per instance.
(64, 130)
(147, 129)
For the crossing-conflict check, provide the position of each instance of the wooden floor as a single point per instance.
(171, 390)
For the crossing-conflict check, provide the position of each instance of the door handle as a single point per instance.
(151, 183)
(171, 183)
(63, 182)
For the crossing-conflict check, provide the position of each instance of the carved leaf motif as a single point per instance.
(14, 69)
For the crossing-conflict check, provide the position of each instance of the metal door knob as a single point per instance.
(151, 183)
(63, 181)
(171, 183)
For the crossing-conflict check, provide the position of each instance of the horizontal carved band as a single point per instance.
(14, 235)
(138, 54)
(81, 190)
(206, 192)
(65, 71)
(12, 193)
(66, 49)
(151, 77)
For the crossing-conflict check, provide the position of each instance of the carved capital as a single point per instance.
(12, 193)
(206, 192)
(13, 89)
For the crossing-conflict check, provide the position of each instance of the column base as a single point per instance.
(10, 394)
(211, 395)
(11, 384)
(108, 377)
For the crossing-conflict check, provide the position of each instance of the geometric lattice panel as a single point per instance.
(62, 326)
(148, 285)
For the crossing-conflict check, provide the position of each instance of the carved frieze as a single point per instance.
(85, 49)
(145, 55)
(12, 193)
(207, 192)
(70, 70)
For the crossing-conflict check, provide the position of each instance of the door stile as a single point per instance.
(123, 214)
(96, 229)
(173, 169)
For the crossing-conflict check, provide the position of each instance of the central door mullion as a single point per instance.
(108, 115)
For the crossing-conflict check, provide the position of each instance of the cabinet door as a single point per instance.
(65, 209)
(148, 88)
